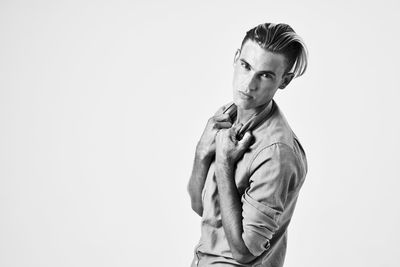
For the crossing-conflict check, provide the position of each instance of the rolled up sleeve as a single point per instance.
(264, 200)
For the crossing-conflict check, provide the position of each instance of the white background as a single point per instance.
(102, 103)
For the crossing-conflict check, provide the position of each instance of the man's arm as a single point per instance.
(251, 220)
(201, 165)
(231, 211)
(205, 153)
(229, 151)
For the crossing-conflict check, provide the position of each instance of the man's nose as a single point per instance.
(252, 83)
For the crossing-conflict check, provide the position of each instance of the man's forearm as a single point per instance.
(231, 211)
(201, 165)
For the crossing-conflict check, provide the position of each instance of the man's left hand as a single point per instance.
(228, 148)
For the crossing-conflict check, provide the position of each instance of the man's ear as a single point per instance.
(237, 55)
(287, 78)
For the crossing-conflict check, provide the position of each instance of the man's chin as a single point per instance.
(243, 105)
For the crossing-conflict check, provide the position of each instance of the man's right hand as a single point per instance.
(206, 146)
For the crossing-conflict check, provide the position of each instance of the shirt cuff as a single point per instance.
(259, 224)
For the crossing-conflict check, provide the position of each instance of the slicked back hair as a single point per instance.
(281, 39)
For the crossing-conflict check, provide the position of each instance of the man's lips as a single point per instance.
(244, 95)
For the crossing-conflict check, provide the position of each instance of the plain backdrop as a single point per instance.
(102, 104)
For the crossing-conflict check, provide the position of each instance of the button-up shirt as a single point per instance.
(268, 178)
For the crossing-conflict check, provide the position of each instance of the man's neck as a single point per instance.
(244, 116)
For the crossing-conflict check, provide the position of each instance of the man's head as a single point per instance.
(271, 55)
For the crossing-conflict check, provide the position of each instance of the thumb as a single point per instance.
(246, 140)
(235, 129)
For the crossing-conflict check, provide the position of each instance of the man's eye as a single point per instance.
(266, 75)
(245, 65)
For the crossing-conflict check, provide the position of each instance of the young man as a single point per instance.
(249, 166)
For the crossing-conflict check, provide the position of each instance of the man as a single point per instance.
(249, 166)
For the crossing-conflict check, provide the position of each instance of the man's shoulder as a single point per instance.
(276, 140)
(275, 130)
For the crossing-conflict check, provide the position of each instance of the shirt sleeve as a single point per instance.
(264, 200)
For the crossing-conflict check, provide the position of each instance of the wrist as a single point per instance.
(203, 156)
(223, 161)
(223, 169)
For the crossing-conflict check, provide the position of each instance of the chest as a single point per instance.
(241, 171)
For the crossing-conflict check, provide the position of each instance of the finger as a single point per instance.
(222, 117)
(246, 140)
(236, 129)
(222, 125)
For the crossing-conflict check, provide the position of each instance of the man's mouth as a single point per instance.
(244, 95)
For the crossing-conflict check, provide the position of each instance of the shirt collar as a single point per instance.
(255, 120)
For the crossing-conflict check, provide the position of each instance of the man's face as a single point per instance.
(257, 76)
